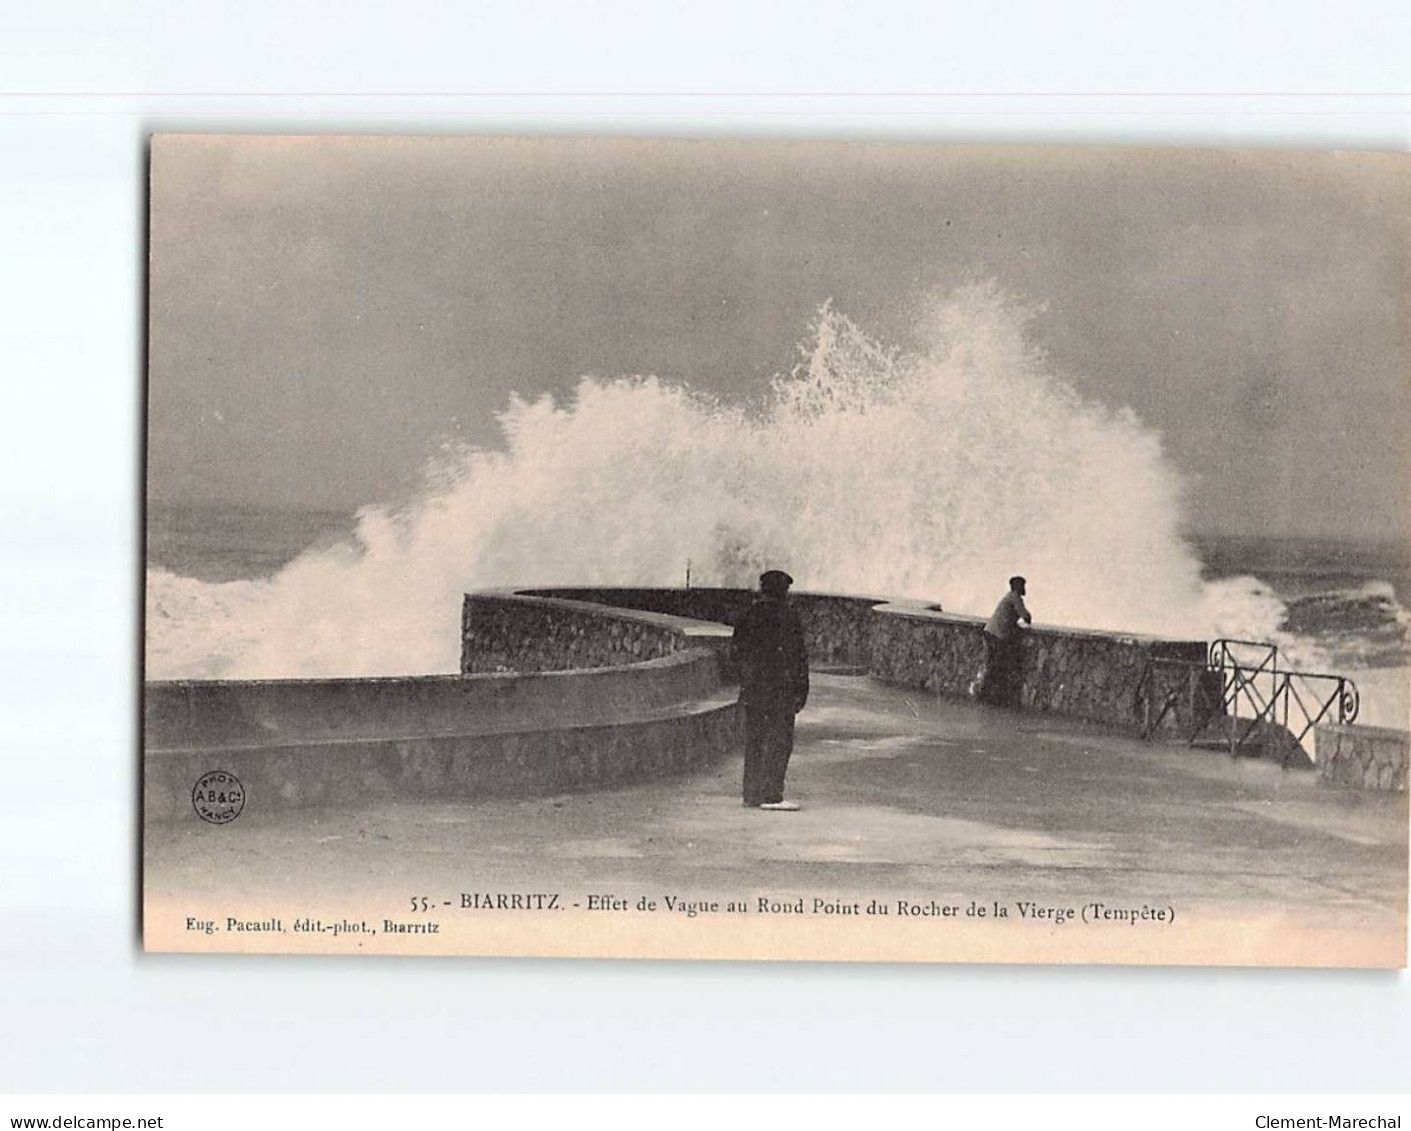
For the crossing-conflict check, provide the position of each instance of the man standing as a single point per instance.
(772, 660)
(1003, 645)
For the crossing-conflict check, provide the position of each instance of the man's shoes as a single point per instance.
(781, 806)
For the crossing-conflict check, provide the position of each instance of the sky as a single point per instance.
(325, 313)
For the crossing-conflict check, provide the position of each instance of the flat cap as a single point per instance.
(775, 578)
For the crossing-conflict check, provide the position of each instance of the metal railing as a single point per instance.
(1242, 684)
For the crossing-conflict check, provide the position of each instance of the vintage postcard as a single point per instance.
(752, 550)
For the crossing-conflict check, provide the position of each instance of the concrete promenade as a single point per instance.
(903, 795)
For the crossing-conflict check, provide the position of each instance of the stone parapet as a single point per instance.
(448, 767)
(180, 714)
(557, 695)
(1118, 679)
(1080, 674)
(1363, 757)
(509, 630)
(837, 627)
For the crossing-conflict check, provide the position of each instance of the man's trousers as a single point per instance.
(769, 740)
(1003, 665)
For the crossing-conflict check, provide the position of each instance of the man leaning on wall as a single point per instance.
(1004, 644)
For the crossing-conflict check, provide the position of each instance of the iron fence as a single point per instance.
(1242, 684)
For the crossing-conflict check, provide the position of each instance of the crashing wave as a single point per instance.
(932, 474)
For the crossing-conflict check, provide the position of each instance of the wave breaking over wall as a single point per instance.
(932, 474)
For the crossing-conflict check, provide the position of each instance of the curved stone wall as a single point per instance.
(1077, 673)
(619, 695)
(507, 630)
(837, 627)
(232, 713)
(566, 688)
(447, 767)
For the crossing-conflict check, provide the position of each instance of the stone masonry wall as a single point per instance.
(1094, 676)
(1085, 675)
(837, 628)
(220, 713)
(506, 632)
(1363, 757)
(439, 767)
(555, 695)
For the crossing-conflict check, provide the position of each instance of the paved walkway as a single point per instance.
(903, 795)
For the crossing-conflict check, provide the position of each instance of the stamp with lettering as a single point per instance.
(218, 797)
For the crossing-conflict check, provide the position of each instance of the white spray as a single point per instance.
(934, 474)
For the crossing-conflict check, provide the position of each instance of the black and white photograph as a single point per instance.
(776, 550)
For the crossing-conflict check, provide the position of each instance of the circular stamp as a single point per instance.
(218, 797)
